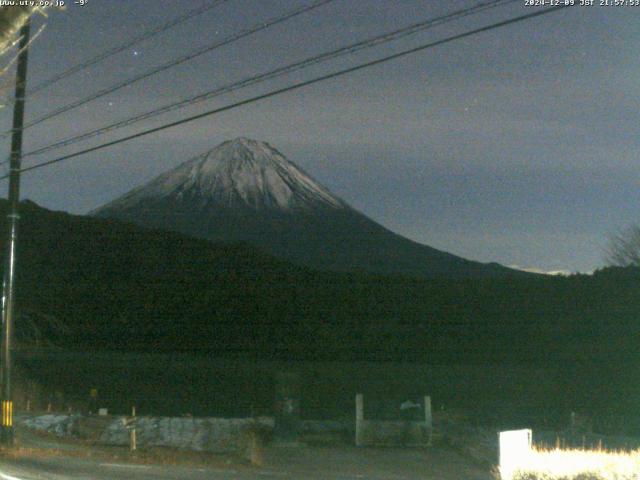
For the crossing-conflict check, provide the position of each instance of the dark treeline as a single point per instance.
(87, 284)
(118, 286)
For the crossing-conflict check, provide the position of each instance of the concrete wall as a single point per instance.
(200, 434)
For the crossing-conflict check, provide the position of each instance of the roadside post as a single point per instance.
(287, 407)
(130, 424)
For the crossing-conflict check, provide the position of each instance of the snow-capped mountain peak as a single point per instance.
(246, 191)
(239, 173)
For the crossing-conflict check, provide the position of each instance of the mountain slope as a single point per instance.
(90, 283)
(95, 285)
(247, 191)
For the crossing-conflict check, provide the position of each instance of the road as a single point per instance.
(347, 463)
(47, 457)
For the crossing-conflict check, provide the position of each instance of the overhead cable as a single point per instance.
(298, 85)
(278, 72)
(171, 64)
(125, 46)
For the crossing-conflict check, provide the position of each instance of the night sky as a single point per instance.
(517, 145)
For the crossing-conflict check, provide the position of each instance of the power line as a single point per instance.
(178, 61)
(297, 86)
(120, 48)
(368, 43)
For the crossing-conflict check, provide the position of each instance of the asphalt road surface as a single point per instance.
(347, 463)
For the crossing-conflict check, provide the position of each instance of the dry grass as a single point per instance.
(557, 464)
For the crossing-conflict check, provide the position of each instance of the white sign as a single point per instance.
(515, 446)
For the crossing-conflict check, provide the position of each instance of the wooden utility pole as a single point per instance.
(8, 285)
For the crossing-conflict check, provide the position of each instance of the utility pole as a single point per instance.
(8, 285)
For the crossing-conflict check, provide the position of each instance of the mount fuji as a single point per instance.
(247, 191)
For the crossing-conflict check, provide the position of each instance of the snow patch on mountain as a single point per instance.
(239, 173)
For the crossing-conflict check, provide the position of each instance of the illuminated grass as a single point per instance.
(556, 464)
